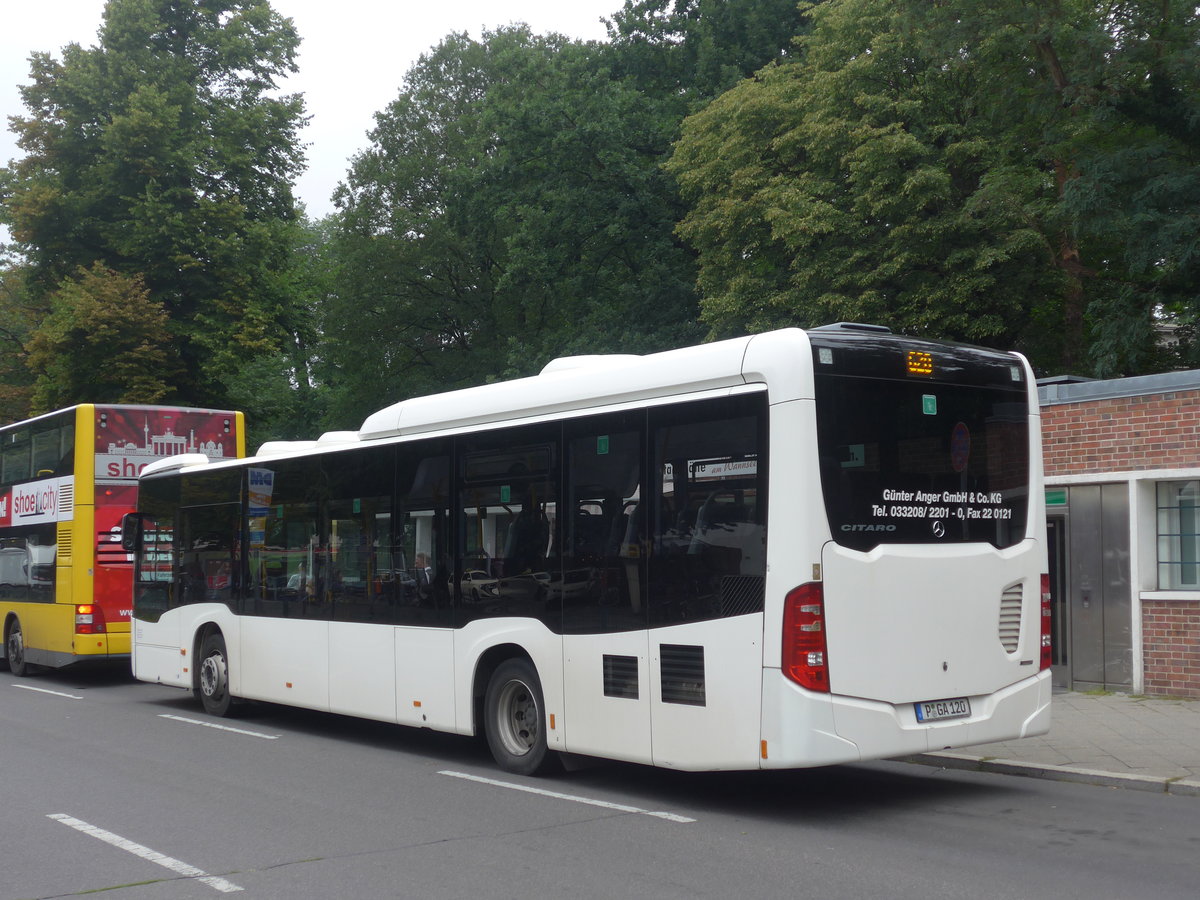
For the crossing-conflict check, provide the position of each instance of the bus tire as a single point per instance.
(14, 650)
(514, 719)
(212, 676)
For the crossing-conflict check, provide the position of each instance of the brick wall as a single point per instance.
(1171, 643)
(1154, 431)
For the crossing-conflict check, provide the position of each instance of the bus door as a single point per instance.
(606, 659)
(706, 576)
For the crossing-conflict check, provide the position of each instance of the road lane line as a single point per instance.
(619, 807)
(167, 862)
(27, 687)
(257, 734)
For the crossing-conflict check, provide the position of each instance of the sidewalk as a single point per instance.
(1143, 743)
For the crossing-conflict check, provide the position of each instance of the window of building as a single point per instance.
(1178, 535)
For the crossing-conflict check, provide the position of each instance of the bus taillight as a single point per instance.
(1047, 651)
(804, 651)
(89, 619)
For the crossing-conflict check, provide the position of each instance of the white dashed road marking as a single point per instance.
(619, 807)
(167, 862)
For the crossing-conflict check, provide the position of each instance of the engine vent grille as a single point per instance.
(621, 677)
(1011, 602)
(682, 670)
(66, 543)
(66, 500)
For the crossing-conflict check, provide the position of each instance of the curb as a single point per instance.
(1183, 787)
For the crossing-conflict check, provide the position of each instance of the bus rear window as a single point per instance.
(922, 462)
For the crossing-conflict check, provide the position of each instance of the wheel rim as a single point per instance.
(212, 676)
(517, 718)
(16, 646)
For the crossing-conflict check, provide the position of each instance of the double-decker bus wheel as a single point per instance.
(14, 647)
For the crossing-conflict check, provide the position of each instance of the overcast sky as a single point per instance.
(353, 57)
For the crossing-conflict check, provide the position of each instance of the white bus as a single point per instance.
(785, 550)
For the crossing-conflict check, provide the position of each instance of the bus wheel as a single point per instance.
(14, 648)
(213, 677)
(514, 719)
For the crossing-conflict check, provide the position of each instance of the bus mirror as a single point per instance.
(131, 532)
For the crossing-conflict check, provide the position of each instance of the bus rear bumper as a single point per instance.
(813, 729)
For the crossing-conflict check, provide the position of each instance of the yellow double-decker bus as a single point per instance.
(66, 480)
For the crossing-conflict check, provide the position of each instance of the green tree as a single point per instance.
(510, 209)
(104, 339)
(18, 316)
(165, 151)
(693, 50)
(279, 390)
(943, 169)
(512, 206)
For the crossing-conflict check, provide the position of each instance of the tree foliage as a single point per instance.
(509, 209)
(979, 172)
(18, 317)
(512, 206)
(164, 152)
(693, 50)
(105, 339)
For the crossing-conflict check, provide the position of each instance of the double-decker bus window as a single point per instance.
(27, 557)
(14, 457)
(47, 450)
(709, 540)
(602, 586)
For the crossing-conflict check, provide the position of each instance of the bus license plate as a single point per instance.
(934, 710)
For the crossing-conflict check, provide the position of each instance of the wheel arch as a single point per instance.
(485, 665)
(198, 638)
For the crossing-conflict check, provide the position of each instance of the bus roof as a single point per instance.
(569, 384)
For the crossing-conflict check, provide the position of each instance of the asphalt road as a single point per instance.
(111, 786)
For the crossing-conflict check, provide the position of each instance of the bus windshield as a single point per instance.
(922, 457)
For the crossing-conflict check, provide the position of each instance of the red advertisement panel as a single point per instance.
(128, 439)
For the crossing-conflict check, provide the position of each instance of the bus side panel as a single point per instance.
(47, 630)
(281, 660)
(425, 677)
(158, 655)
(707, 678)
(362, 670)
(606, 687)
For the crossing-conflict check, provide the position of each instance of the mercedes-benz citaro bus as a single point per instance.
(790, 549)
(66, 480)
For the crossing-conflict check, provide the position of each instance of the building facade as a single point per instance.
(1122, 462)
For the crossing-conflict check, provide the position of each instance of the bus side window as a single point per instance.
(208, 558)
(709, 540)
(602, 571)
